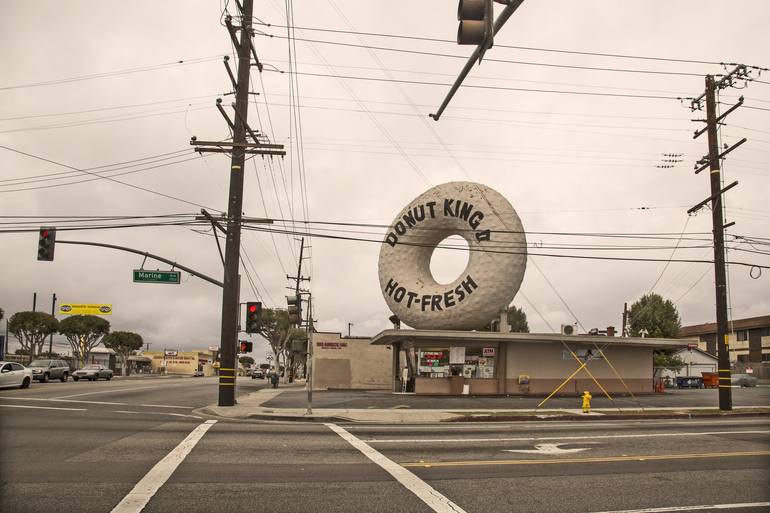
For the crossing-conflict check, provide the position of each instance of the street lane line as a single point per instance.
(98, 402)
(539, 438)
(141, 494)
(411, 482)
(42, 407)
(168, 406)
(599, 459)
(62, 400)
(108, 391)
(691, 508)
(157, 413)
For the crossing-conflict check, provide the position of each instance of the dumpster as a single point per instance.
(710, 379)
(689, 382)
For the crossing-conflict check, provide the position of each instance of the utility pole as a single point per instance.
(238, 147)
(53, 314)
(34, 301)
(624, 333)
(712, 162)
(309, 359)
(349, 325)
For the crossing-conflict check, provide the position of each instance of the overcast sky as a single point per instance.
(361, 147)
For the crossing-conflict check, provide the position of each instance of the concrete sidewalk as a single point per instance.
(254, 406)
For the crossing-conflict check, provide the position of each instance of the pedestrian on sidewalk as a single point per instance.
(274, 379)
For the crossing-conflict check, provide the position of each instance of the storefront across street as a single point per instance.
(447, 362)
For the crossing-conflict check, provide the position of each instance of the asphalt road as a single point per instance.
(89, 447)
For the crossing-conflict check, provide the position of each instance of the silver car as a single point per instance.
(92, 373)
(743, 380)
(14, 374)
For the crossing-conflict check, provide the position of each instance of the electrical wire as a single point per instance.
(101, 177)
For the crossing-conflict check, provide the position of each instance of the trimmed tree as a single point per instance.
(123, 343)
(83, 332)
(31, 329)
(246, 361)
(517, 320)
(658, 317)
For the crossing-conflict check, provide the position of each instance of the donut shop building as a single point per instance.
(447, 362)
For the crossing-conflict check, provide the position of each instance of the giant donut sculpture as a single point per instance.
(496, 264)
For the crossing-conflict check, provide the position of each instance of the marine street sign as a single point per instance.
(142, 276)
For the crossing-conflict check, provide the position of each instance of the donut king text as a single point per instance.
(430, 210)
(431, 302)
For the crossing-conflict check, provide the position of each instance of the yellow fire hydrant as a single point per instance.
(586, 402)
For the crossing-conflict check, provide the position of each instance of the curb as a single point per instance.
(589, 418)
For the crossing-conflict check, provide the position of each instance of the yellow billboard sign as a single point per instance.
(85, 309)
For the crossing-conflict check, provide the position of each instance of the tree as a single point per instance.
(516, 318)
(83, 332)
(124, 343)
(246, 361)
(31, 329)
(275, 327)
(2, 314)
(657, 316)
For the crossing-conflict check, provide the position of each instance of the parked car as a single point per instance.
(743, 380)
(198, 374)
(44, 370)
(92, 373)
(257, 374)
(14, 374)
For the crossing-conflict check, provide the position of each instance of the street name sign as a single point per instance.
(142, 276)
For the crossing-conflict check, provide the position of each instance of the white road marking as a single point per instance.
(62, 400)
(539, 438)
(141, 494)
(701, 507)
(42, 407)
(98, 402)
(167, 406)
(156, 413)
(109, 391)
(411, 482)
(548, 449)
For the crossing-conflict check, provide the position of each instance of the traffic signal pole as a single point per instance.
(230, 290)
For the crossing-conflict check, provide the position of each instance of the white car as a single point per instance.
(14, 374)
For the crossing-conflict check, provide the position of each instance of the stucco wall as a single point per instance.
(546, 367)
(350, 363)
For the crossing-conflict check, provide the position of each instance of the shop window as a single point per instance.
(743, 358)
(434, 363)
(478, 364)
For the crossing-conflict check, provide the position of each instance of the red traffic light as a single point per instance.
(252, 308)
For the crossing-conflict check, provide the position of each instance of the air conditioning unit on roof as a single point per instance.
(567, 329)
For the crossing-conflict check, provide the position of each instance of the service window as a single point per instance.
(433, 363)
(478, 363)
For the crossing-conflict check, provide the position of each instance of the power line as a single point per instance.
(514, 47)
(98, 176)
(502, 61)
(485, 87)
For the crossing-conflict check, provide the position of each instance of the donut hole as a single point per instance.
(449, 259)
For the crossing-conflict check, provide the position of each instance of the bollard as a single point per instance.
(586, 402)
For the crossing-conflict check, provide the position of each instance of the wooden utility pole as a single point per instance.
(238, 148)
(712, 162)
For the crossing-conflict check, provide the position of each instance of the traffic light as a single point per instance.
(295, 309)
(253, 314)
(245, 347)
(45, 243)
(476, 22)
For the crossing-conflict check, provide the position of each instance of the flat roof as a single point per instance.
(710, 328)
(389, 337)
